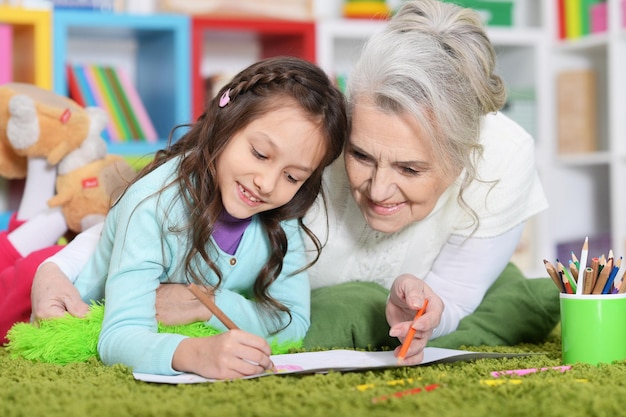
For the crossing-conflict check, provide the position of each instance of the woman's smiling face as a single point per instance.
(393, 175)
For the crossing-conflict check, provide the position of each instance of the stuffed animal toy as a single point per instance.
(70, 180)
(88, 181)
(90, 190)
(35, 122)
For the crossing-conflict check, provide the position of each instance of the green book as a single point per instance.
(117, 113)
(586, 15)
(125, 106)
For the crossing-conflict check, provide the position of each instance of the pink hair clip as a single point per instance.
(225, 99)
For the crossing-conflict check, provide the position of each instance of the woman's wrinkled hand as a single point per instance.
(406, 297)
(176, 305)
(53, 294)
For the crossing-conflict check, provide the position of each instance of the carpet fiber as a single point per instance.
(462, 389)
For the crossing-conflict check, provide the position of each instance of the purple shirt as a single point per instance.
(228, 232)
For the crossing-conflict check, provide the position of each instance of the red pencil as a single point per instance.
(409, 336)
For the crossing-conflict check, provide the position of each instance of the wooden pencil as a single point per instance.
(603, 277)
(619, 278)
(622, 287)
(588, 279)
(595, 267)
(213, 308)
(552, 272)
(217, 312)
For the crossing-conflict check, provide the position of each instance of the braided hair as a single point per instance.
(257, 90)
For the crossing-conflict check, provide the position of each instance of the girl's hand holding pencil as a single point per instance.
(229, 355)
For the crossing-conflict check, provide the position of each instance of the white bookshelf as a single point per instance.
(586, 189)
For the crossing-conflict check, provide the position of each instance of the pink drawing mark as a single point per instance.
(288, 368)
(522, 372)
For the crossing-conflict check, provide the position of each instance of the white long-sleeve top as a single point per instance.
(459, 262)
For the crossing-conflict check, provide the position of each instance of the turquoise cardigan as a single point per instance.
(138, 251)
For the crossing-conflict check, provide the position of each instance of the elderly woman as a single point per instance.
(432, 194)
(439, 183)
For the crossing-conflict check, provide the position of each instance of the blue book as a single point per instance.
(95, 5)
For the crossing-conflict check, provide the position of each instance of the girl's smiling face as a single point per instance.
(266, 163)
(393, 175)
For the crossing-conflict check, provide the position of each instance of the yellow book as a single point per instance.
(573, 19)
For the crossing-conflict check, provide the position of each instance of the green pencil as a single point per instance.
(571, 280)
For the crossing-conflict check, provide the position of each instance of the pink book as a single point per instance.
(6, 54)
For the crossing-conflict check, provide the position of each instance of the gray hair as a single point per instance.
(434, 61)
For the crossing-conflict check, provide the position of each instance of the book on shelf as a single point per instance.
(95, 5)
(576, 111)
(112, 90)
(560, 16)
(575, 18)
(6, 54)
(280, 9)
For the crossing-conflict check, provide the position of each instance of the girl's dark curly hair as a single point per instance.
(262, 87)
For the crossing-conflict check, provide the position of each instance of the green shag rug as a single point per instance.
(463, 389)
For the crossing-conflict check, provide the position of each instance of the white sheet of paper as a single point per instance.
(336, 360)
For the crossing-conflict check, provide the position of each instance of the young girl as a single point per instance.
(222, 207)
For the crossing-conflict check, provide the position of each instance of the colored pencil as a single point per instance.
(568, 276)
(589, 279)
(619, 277)
(603, 277)
(622, 286)
(409, 336)
(602, 263)
(217, 312)
(573, 269)
(566, 284)
(595, 266)
(582, 266)
(213, 308)
(609, 281)
(554, 275)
